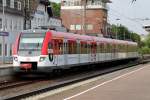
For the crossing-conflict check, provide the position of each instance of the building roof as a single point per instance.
(107, 1)
(147, 28)
(43, 1)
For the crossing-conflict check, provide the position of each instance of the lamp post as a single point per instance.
(124, 35)
(3, 29)
(117, 28)
(84, 3)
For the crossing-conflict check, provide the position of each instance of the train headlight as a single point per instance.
(42, 59)
(16, 58)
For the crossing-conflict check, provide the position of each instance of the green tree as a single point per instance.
(56, 9)
(145, 45)
(136, 38)
(123, 33)
(147, 41)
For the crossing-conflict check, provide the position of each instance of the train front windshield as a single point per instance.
(31, 41)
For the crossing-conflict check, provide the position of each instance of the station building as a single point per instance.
(17, 15)
(147, 28)
(11, 21)
(82, 17)
(41, 17)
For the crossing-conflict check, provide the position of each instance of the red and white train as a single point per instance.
(45, 51)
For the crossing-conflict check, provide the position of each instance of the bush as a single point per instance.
(144, 50)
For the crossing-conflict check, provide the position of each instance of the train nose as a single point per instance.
(28, 65)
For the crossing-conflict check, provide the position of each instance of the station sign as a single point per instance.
(4, 33)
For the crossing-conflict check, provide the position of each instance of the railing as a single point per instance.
(90, 5)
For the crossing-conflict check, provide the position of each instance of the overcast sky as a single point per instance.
(130, 14)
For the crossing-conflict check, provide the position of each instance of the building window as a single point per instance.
(8, 3)
(78, 27)
(10, 49)
(1, 2)
(19, 5)
(28, 4)
(0, 49)
(15, 25)
(6, 23)
(5, 49)
(12, 3)
(15, 5)
(89, 27)
(20, 25)
(17, 28)
(0, 23)
(11, 25)
(72, 27)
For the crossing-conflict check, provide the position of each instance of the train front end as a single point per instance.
(30, 53)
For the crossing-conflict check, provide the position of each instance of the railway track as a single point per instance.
(12, 84)
(64, 81)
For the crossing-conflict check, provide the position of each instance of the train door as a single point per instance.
(78, 50)
(65, 52)
(72, 52)
(58, 52)
(114, 51)
(101, 47)
(97, 51)
(89, 51)
(60, 56)
(105, 51)
(93, 51)
(83, 52)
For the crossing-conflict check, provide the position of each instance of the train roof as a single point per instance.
(73, 36)
(34, 31)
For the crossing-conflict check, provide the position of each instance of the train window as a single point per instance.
(108, 48)
(72, 47)
(119, 47)
(50, 46)
(102, 48)
(105, 48)
(128, 48)
(85, 48)
(93, 47)
(31, 41)
(65, 48)
(75, 48)
(88, 48)
(111, 47)
(60, 47)
(57, 46)
(82, 48)
(78, 48)
(99, 48)
(69, 48)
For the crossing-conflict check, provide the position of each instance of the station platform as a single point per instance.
(131, 84)
(5, 66)
(134, 85)
(6, 69)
